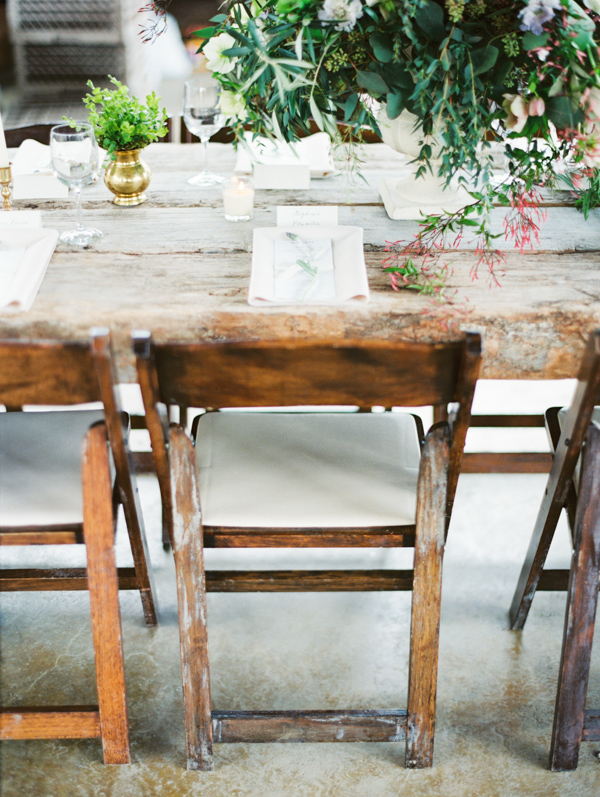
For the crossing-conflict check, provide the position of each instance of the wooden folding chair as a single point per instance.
(367, 484)
(576, 443)
(40, 493)
(51, 373)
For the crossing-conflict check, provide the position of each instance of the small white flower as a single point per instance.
(215, 60)
(344, 12)
(233, 105)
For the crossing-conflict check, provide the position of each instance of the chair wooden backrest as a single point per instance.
(16, 135)
(215, 375)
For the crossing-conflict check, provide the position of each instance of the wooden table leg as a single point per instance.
(582, 603)
(426, 601)
(103, 586)
(188, 553)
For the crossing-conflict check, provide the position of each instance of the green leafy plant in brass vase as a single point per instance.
(124, 127)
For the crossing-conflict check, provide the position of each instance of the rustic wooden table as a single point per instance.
(175, 266)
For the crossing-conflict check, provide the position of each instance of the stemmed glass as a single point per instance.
(203, 118)
(74, 153)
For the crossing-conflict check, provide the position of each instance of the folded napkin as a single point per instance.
(314, 151)
(33, 177)
(307, 265)
(24, 258)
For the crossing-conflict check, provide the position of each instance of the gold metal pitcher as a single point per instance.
(128, 177)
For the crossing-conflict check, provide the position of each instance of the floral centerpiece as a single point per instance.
(523, 73)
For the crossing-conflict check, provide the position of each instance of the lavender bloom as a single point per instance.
(536, 13)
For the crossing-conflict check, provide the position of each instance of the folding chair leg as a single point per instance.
(582, 603)
(188, 553)
(426, 601)
(103, 585)
(139, 549)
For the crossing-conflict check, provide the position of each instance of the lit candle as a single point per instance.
(4, 162)
(238, 198)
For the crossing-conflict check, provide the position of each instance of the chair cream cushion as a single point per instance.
(40, 466)
(307, 470)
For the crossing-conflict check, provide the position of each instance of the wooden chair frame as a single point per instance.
(107, 720)
(189, 375)
(66, 374)
(572, 723)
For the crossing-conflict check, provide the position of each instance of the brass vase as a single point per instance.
(128, 177)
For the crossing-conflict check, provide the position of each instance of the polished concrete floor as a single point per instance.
(496, 687)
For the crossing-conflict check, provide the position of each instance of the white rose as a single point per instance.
(215, 60)
(233, 105)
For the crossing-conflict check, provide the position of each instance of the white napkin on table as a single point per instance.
(24, 258)
(313, 151)
(307, 266)
(33, 177)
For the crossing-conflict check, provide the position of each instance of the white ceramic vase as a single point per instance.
(410, 196)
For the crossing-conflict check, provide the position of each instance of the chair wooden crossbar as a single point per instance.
(577, 441)
(269, 374)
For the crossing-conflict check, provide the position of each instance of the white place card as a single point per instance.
(307, 215)
(38, 186)
(21, 220)
(280, 176)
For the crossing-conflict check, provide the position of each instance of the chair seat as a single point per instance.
(40, 466)
(307, 470)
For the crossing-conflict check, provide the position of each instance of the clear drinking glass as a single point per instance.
(74, 153)
(203, 118)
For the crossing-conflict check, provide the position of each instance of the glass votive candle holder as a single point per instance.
(238, 198)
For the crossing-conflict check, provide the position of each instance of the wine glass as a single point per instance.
(204, 118)
(74, 153)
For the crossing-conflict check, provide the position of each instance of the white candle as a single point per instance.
(4, 162)
(238, 198)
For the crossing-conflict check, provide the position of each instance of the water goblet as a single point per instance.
(203, 117)
(74, 153)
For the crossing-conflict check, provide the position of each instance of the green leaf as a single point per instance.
(564, 113)
(205, 33)
(314, 109)
(372, 82)
(383, 48)
(396, 75)
(484, 58)
(531, 41)
(219, 18)
(396, 103)
(350, 106)
(430, 18)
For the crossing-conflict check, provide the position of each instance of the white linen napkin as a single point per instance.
(24, 258)
(33, 177)
(314, 151)
(307, 265)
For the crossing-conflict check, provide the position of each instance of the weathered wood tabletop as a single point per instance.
(175, 266)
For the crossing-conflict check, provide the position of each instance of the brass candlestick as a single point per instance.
(5, 181)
